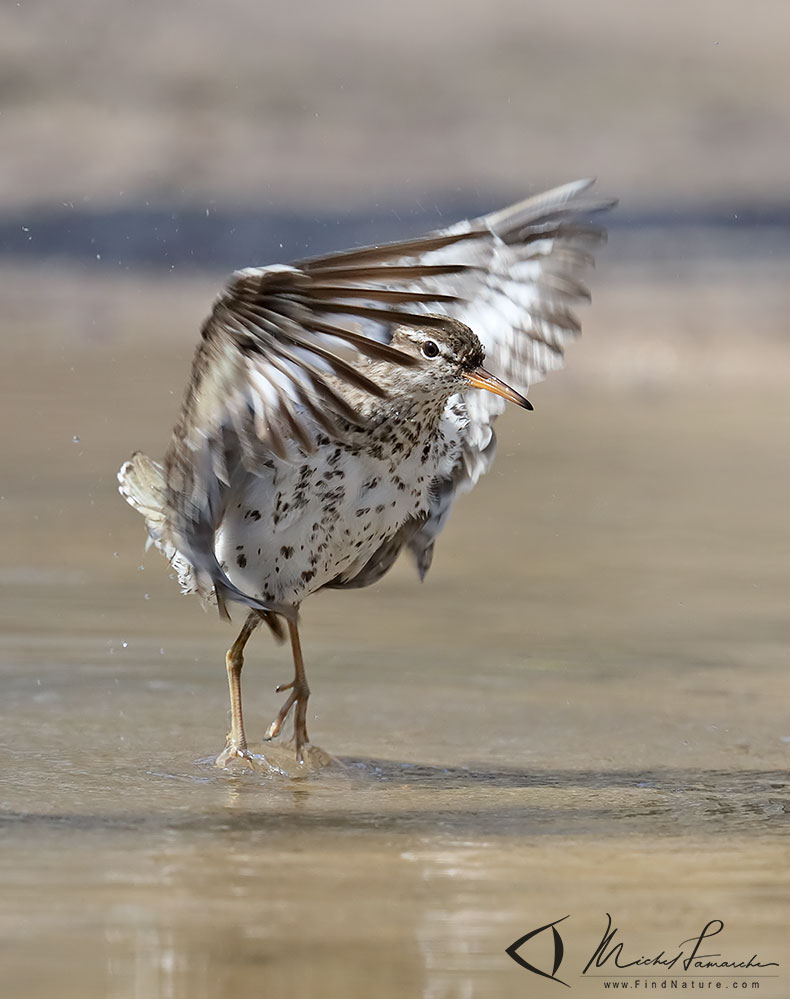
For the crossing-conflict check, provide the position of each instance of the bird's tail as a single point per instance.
(142, 484)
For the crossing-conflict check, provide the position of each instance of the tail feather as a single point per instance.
(142, 484)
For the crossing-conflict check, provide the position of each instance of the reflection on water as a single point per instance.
(582, 711)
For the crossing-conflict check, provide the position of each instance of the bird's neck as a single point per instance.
(405, 409)
(398, 423)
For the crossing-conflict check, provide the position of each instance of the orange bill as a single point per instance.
(482, 379)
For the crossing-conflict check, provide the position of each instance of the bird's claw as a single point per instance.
(233, 751)
(298, 697)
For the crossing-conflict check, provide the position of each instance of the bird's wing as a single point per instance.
(278, 338)
(513, 276)
(523, 278)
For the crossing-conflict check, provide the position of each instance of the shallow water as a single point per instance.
(583, 711)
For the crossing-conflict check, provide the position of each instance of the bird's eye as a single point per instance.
(430, 349)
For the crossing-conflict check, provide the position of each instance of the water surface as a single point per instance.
(583, 710)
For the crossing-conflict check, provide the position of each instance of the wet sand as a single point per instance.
(583, 710)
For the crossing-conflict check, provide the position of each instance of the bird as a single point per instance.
(338, 406)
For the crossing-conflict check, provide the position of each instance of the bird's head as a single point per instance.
(449, 359)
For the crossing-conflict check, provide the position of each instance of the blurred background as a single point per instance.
(180, 141)
(262, 105)
(584, 709)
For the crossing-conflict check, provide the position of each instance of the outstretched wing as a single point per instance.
(514, 277)
(522, 280)
(279, 338)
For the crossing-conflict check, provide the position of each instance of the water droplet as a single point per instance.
(75, 439)
(125, 645)
(146, 596)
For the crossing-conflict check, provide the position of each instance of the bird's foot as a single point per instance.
(233, 751)
(297, 699)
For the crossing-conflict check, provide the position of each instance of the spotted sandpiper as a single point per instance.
(335, 411)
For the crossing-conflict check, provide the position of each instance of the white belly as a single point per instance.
(299, 526)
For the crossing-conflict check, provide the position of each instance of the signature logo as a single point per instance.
(691, 954)
(559, 951)
(695, 956)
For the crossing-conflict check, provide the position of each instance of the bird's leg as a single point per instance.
(300, 692)
(236, 745)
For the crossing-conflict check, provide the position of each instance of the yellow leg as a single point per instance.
(299, 695)
(236, 745)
